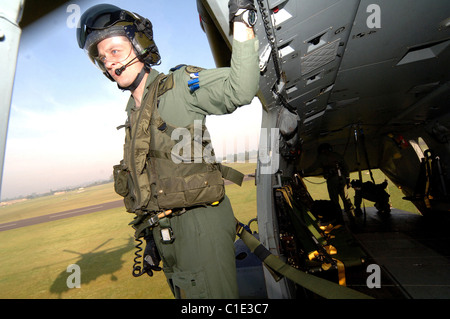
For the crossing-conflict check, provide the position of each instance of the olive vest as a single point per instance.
(159, 172)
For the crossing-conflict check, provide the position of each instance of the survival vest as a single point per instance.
(154, 175)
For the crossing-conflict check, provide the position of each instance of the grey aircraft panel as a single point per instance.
(349, 69)
(10, 15)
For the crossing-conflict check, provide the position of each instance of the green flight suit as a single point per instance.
(200, 262)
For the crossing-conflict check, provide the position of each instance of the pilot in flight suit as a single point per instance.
(199, 260)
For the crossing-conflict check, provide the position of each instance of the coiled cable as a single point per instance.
(137, 269)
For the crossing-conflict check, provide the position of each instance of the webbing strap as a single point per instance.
(310, 223)
(321, 287)
(309, 219)
(231, 174)
(331, 250)
(341, 272)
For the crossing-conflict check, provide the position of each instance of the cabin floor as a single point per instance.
(411, 250)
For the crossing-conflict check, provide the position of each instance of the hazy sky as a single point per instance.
(64, 112)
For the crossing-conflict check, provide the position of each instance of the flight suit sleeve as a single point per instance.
(222, 90)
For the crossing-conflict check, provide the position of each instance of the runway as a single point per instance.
(74, 212)
(60, 215)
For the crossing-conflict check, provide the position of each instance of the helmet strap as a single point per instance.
(136, 81)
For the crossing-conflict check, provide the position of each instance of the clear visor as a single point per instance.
(95, 37)
(115, 55)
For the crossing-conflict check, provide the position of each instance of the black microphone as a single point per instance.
(120, 70)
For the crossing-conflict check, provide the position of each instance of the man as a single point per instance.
(373, 192)
(195, 231)
(337, 175)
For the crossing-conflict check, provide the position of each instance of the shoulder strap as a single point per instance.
(140, 139)
(165, 85)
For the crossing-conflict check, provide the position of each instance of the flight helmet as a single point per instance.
(104, 20)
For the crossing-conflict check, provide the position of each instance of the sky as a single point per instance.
(64, 111)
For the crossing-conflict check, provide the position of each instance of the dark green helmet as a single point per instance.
(104, 20)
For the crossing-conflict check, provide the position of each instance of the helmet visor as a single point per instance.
(102, 20)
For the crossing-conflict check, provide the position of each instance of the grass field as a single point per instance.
(34, 259)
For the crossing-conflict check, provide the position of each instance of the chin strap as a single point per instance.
(136, 81)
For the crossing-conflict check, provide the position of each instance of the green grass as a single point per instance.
(318, 190)
(34, 259)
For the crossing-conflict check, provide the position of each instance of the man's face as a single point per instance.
(114, 53)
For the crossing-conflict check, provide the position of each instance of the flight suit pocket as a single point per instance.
(120, 180)
(123, 186)
(190, 285)
(188, 191)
